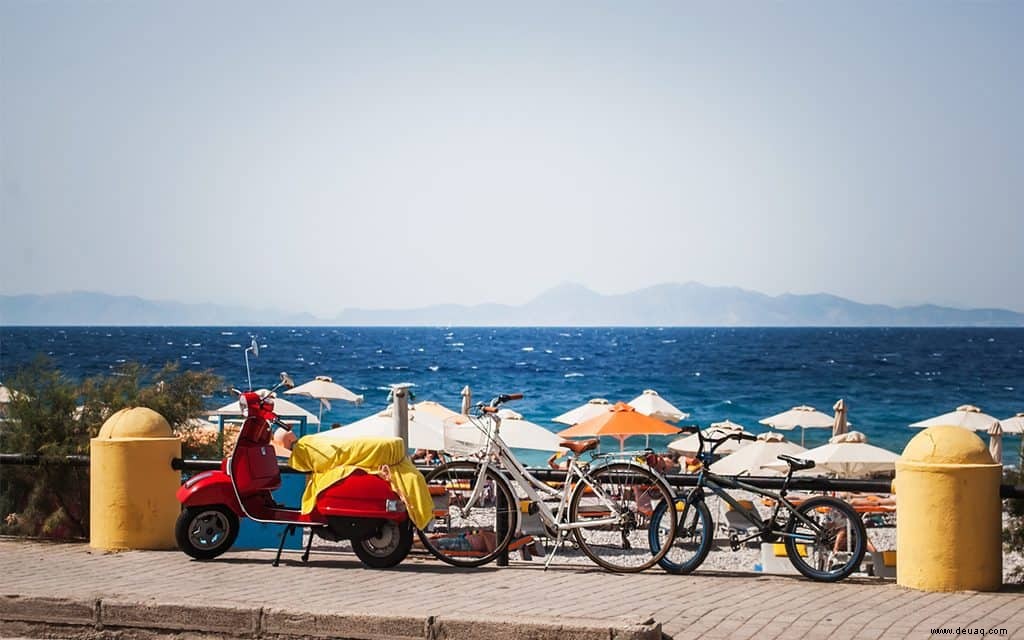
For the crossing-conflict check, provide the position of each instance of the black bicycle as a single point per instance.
(824, 536)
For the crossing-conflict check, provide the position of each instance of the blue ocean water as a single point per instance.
(889, 377)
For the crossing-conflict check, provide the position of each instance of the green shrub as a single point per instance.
(52, 416)
(1013, 532)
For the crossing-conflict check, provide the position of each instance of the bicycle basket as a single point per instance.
(465, 435)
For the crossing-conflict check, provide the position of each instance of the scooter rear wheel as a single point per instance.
(388, 547)
(206, 532)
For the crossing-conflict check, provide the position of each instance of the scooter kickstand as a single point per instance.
(288, 530)
(305, 556)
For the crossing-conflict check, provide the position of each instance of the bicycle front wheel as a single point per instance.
(825, 539)
(611, 516)
(693, 539)
(463, 534)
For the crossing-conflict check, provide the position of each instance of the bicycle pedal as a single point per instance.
(734, 542)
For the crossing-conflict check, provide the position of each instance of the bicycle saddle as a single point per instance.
(580, 447)
(797, 464)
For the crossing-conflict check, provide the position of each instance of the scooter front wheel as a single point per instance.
(206, 532)
(387, 547)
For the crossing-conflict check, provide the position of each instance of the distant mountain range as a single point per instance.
(689, 304)
(84, 308)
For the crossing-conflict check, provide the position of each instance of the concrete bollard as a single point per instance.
(132, 485)
(400, 414)
(949, 520)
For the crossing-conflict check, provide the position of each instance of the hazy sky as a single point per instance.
(337, 154)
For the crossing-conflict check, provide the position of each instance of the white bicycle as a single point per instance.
(605, 504)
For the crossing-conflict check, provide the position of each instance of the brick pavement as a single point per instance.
(242, 594)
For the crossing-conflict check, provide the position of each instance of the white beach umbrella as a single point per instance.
(200, 423)
(591, 408)
(523, 434)
(691, 443)
(728, 425)
(651, 404)
(426, 426)
(752, 460)
(283, 408)
(966, 415)
(803, 416)
(995, 442)
(1014, 425)
(839, 424)
(5, 399)
(847, 455)
(324, 389)
(435, 412)
(7, 395)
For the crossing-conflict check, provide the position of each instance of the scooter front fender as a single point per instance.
(209, 487)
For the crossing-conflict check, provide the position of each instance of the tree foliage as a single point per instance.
(53, 416)
(1013, 530)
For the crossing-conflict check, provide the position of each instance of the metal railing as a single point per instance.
(553, 475)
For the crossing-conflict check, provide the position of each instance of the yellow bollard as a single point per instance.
(949, 520)
(132, 485)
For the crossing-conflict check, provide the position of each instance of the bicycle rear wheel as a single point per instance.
(473, 536)
(831, 544)
(693, 539)
(613, 517)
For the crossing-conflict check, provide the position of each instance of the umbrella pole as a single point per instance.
(320, 417)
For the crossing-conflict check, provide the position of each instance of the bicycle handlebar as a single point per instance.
(505, 397)
(716, 442)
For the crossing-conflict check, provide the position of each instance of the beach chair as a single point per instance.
(734, 521)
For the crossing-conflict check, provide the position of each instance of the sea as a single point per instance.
(889, 377)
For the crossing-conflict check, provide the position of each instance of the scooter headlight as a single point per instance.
(394, 505)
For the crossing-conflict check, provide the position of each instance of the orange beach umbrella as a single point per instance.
(621, 421)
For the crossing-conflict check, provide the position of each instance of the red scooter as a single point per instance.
(362, 507)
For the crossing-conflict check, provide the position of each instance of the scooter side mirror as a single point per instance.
(286, 380)
(255, 348)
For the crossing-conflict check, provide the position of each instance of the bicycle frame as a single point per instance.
(577, 472)
(718, 485)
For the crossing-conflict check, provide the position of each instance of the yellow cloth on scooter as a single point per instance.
(327, 460)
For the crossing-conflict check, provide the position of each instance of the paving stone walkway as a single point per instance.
(242, 595)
